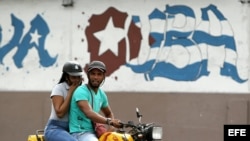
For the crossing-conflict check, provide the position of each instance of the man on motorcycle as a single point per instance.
(86, 104)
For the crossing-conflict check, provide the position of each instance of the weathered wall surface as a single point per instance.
(185, 64)
(184, 116)
(154, 46)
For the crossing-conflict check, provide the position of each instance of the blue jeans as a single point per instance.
(58, 131)
(85, 136)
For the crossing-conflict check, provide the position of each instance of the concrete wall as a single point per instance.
(184, 116)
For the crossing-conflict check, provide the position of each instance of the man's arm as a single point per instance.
(87, 110)
(108, 112)
(95, 117)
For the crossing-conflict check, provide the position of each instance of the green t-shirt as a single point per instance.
(78, 122)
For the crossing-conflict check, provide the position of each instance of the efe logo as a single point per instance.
(236, 132)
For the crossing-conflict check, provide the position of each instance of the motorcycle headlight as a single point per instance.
(155, 133)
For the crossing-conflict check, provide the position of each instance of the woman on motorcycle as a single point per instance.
(57, 128)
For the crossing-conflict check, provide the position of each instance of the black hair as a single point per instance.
(63, 77)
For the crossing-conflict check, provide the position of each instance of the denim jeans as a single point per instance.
(58, 131)
(85, 136)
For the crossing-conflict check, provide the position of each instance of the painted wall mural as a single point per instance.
(168, 47)
(35, 37)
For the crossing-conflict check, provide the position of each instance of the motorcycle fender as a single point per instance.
(39, 136)
(114, 136)
(36, 138)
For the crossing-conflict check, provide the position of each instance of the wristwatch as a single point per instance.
(108, 121)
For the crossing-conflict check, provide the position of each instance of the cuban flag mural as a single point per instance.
(164, 47)
(188, 43)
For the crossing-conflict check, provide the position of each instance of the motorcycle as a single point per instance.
(135, 132)
(127, 132)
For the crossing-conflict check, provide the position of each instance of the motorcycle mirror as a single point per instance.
(138, 113)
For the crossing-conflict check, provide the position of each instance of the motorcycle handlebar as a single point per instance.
(126, 125)
(130, 124)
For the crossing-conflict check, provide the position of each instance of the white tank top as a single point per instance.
(59, 90)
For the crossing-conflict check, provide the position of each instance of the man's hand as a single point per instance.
(115, 123)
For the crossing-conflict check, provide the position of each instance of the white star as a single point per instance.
(34, 37)
(109, 38)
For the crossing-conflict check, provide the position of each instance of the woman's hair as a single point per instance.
(63, 77)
